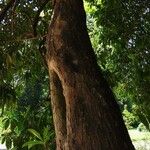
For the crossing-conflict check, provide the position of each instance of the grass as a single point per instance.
(138, 136)
(140, 139)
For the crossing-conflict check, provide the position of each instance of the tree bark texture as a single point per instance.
(86, 115)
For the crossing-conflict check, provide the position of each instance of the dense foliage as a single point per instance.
(119, 32)
(120, 37)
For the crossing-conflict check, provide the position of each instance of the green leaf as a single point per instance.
(32, 143)
(3, 140)
(8, 143)
(6, 124)
(13, 125)
(27, 112)
(35, 133)
(17, 131)
(46, 134)
(14, 148)
(4, 119)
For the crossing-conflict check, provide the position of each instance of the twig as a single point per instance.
(21, 40)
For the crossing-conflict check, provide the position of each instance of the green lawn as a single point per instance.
(141, 140)
(138, 136)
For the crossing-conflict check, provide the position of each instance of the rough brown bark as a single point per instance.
(92, 117)
(58, 108)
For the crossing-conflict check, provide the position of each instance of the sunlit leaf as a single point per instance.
(30, 144)
(35, 133)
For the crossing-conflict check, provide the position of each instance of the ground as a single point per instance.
(141, 140)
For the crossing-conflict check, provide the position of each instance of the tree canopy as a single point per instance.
(122, 33)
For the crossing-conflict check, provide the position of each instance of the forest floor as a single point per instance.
(140, 139)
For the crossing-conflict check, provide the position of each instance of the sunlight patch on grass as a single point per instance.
(138, 135)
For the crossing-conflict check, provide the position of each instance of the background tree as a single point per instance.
(122, 33)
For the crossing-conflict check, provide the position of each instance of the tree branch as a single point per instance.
(7, 7)
(22, 40)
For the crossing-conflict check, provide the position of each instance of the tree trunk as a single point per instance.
(58, 108)
(86, 115)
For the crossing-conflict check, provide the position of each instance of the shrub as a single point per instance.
(130, 119)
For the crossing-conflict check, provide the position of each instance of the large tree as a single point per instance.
(86, 115)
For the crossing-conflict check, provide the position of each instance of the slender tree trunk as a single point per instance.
(86, 115)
